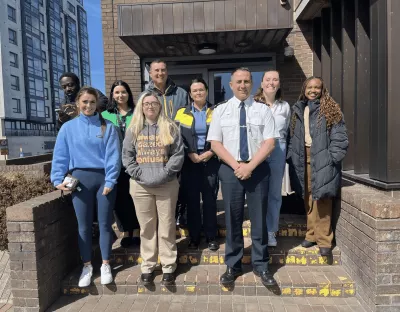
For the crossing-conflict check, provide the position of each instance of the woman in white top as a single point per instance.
(270, 93)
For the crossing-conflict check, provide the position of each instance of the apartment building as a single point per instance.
(40, 39)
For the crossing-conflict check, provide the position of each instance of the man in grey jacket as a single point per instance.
(170, 95)
(171, 98)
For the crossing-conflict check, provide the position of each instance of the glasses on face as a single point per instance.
(152, 104)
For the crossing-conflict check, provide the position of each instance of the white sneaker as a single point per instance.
(86, 276)
(271, 239)
(106, 276)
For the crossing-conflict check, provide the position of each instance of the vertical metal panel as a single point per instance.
(168, 18)
(126, 19)
(379, 83)
(362, 135)
(273, 15)
(349, 76)
(219, 15)
(262, 14)
(326, 47)
(158, 26)
(230, 15)
(317, 36)
(251, 14)
(198, 16)
(393, 158)
(178, 18)
(188, 26)
(209, 16)
(336, 50)
(240, 14)
(147, 19)
(137, 20)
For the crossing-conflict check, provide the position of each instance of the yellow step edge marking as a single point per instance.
(214, 260)
(324, 292)
(190, 288)
(349, 292)
(298, 291)
(205, 260)
(311, 291)
(141, 290)
(336, 292)
(286, 291)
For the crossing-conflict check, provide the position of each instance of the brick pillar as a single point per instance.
(42, 235)
(368, 234)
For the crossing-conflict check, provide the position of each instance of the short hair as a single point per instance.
(72, 76)
(157, 61)
(242, 69)
(199, 80)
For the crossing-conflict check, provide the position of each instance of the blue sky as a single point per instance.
(93, 10)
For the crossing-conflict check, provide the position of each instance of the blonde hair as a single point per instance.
(168, 130)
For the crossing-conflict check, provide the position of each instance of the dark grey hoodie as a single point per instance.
(147, 161)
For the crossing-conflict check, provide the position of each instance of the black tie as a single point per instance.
(244, 148)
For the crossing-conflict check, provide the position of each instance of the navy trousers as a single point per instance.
(234, 191)
(201, 178)
(91, 182)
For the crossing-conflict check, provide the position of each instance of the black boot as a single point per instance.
(307, 244)
(267, 279)
(147, 278)
(229, 277)
(212, 244)
(168, 279)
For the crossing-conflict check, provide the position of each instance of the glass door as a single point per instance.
(219, 83)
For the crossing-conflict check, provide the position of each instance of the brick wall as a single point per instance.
(368, 234)
(121, 63)
(38, 170)
(42, 234)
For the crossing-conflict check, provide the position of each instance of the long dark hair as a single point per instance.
(328, 106)
(112, 104)
(92, 91)
(259, 96)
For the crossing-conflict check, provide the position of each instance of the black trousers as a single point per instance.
(124, 209)
(201, 178)
(256, 191)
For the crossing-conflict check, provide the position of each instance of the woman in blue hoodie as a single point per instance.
(88, 148)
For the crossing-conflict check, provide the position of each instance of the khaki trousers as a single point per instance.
(155, 210)
(319, 212)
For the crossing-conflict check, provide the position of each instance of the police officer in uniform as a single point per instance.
(242, 133)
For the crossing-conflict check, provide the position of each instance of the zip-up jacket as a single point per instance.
(172, 99)
(186, 121)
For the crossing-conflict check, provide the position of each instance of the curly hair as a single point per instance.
(328, 106)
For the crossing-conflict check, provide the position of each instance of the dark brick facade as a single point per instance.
(42, 234)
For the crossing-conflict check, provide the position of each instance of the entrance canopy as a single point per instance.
(184, 28)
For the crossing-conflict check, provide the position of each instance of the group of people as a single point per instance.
(140, 160)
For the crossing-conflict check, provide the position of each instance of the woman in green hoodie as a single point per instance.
(119, 112)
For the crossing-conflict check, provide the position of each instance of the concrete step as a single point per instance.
(294, 281)
(288, 252)
(289, 226)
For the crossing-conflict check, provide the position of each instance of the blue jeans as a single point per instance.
(91, 182)
(276, 161)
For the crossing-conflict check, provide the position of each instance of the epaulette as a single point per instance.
(223, 102)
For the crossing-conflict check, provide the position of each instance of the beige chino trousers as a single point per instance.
(155, 210)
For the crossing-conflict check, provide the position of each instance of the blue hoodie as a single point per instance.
(79, 145)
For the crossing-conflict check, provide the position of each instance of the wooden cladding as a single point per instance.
(202, 16)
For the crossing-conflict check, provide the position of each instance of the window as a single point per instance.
(41, 18)
(43, 37)
(12, 36)
(47, 112)
(14, 83)
(44, 74)
(44, 56)
(71, 7)
(12, 15)
(13, 60)
(46, 93)
(16, 106)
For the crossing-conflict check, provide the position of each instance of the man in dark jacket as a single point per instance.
(70, 83)
(171, 98)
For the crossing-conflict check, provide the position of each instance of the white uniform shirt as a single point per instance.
(281, 112)
(225, 126)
